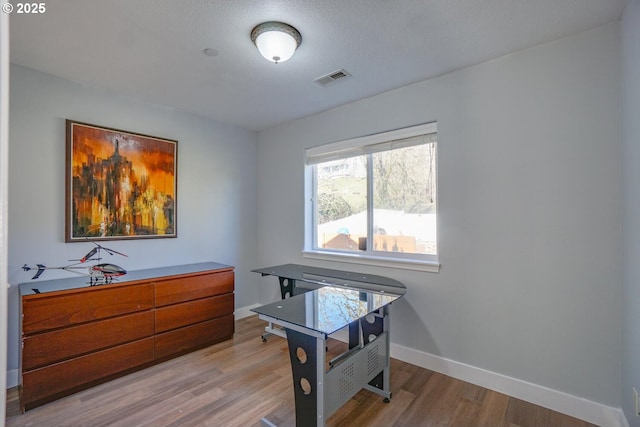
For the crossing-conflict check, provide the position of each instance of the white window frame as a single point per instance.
(350, 148)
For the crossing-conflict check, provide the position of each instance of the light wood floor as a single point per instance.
(237, 382)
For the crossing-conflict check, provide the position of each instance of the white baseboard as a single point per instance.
(12, 378)
(592, 412)
(243, 312)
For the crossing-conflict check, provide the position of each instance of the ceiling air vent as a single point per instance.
(332, 77)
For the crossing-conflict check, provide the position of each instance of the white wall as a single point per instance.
(216, 209)
(529, 212)
(631, 207)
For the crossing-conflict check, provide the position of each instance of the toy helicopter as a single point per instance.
(99, 274)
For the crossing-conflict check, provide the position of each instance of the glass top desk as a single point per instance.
(338, 299)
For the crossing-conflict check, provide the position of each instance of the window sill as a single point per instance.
(426, 266)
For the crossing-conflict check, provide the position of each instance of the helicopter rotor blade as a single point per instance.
(75, 265)
(73, 270)
(107, 250)
(111, 251)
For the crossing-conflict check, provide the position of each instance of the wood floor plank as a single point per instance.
(494, 408)
(237, 382)
(368, 409)
(433, 402)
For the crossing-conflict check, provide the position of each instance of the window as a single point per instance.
(373, 198)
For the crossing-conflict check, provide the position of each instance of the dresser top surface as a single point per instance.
(79, 282)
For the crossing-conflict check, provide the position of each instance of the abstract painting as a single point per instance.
(119, 184)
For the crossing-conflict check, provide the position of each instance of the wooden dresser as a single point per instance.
(75, 336)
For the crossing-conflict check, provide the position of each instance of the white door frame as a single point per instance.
(4, 200)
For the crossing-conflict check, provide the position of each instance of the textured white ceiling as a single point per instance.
(152, 49)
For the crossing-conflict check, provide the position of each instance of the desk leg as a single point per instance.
(354, 335)
(286, 287)
(307, 355)
(381, 322)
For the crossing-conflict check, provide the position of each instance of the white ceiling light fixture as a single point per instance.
(276, 41)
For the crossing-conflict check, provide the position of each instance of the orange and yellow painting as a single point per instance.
(120, 185)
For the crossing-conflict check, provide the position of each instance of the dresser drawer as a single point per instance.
(192, 337)
(55, 346)
(182, 289)
(188, 313)
(51, 312)
(41, 385)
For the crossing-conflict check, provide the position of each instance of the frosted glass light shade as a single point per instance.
(276, 46)
(276, 41)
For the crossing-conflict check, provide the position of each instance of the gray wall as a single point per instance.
(529, 212)
(216, 185)
(631, 207)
